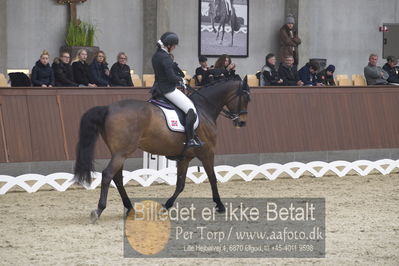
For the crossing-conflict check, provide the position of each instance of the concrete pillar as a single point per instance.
(3, 36)
(150, 8)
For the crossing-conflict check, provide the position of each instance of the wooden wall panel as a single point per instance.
(17, 128)
(279, 120)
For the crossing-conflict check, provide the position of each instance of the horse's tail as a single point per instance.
(91, 124)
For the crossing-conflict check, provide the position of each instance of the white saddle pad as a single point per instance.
(173, 122)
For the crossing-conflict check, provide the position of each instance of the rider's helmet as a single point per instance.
(169, 38)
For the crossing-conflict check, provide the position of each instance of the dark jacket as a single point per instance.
(220, 73)
(289, 75)
(177, 70)
(307, 78)
(63, 74)
(322, 77)
(269, 76)
(166, 79)
(393, 73)
(98, 71)
(205, 76)
(42, 75)
(82, 73)
(120, 75)
(289, 41)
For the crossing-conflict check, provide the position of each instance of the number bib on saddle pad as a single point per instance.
(175, 118)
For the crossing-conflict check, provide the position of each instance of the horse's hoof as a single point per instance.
(220, 208)
(127, 212)
(168, 204)
(94, 216)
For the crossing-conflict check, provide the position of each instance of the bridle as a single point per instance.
(225, 112)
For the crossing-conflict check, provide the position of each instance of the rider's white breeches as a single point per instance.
(179, 99)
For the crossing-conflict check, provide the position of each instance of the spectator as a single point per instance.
(63, 71)
(392, 70)
(81, 70)
(224, 68)
(288, 72)
(42, 73)
(201, 73)
(289, 39)
(120, 72)
(374, 74)
(99, 69)
(268, 76)
(308, 74)
(326, 76)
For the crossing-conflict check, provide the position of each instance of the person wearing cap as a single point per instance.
(392, 70)
(289, 39)
(374, 74)
(166, 82)
(201, 73)
(326, 76)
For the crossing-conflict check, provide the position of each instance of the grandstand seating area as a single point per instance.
(147, 80)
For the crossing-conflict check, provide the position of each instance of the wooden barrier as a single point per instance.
(41, 124)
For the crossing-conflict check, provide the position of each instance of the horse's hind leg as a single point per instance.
(109, 172)
(118, 179)
(181, 181)
(208, 163)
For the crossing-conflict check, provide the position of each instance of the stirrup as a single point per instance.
(194, 143)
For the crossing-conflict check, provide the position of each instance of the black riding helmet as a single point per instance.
(169, 38)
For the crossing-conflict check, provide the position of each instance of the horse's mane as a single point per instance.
(216, 82)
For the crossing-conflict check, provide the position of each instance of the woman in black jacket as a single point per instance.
(166, 81)
(224, 68)
(99, 69)
(63, 71)
(81, 70)
(120, 72)
(42, 73)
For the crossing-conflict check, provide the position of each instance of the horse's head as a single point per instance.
(238, 103)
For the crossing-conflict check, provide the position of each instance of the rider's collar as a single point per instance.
(164, 48)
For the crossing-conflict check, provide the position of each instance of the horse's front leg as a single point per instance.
(181, 181)
(223, 31)
(232, 36)
(208, 163)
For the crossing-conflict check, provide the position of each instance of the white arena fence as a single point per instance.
(146, 177)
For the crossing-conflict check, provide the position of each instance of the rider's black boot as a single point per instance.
(191, 141)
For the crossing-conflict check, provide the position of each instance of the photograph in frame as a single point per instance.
(213, 15)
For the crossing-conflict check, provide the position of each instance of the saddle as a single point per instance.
(174, 117)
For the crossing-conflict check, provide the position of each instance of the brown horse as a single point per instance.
(131, 124)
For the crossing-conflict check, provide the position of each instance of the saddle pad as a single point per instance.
(173, 122)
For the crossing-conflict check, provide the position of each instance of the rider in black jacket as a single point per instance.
(166, 81)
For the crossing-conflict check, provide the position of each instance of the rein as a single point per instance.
(226, 113)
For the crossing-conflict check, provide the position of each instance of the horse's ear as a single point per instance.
(244, 85)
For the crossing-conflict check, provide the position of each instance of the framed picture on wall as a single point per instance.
(223, 27)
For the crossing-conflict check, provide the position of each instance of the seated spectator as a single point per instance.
(326, 76)
(99, 70)
(42, 73)
(374, 74)
(201, 73)
(81, 70)
(268, 76)
(224, 68)
(120, 72)
(63, 73)
(392, 70)
(308, 74)
(288, 72)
